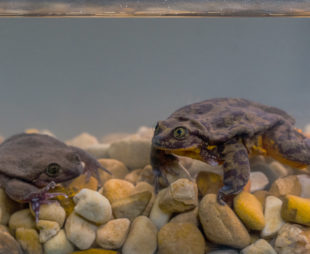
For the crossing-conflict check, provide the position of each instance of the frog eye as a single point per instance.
(179, 132)
(52, 169)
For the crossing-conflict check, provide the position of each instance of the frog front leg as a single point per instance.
(24, 192)
(236, 168)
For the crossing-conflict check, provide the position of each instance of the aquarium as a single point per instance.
(171, 135)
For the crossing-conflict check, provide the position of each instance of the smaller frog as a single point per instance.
(32, 164)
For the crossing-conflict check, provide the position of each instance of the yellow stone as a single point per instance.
(296, 209)
(249, 210)
(209, 182)
(95, 251)
(29, 240)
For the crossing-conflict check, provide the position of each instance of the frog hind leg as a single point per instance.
(236, 168)
(287, 145)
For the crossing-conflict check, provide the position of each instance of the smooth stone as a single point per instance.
(292, 238)
(258, 181)
(187, 217)
(113, 137)
(181, 196)
(54, 212)
(115, 189)
(81, 182)
(8, 245)
(80, 232)
(208, 182)
(83, 140)
(249, 210)
(29, 240)
(59, 244)
(118, 169)
(113, 234)
(259, 247)
(221, 225)
(278, 169)
(142, 237)
(21, 219)
(92, 206)
(224, 251)
(158, 216)
(95, 251)
(47, 229)
(273, 217)
(4, 228)
(133, 151)
(145, 186)
(133, 176)
(132, 206)
(146, 175)
(181, 238)
(305, 185)
(288, 185)
(296, 209)
(261, 196)
(98, 150)
(7, 207)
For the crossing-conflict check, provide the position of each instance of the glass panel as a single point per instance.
(123, 8)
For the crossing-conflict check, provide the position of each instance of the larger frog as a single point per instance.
(226, 131)
(32, 164)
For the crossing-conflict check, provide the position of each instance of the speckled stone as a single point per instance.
(188, 217)
(181, 238)
(29, 240)
(288, 185)
(261, 246)
(8, 245)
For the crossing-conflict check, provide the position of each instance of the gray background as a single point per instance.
(110, 75)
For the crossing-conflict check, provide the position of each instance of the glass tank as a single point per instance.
(139, 133)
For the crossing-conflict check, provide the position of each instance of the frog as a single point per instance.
(33, 164)
(227, 132)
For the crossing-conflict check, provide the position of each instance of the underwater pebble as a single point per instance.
(113, 234)
(29, 240)
(54, 212)
(133, 176)
(95, 251)
(133, 151)
(58, 244)
(296, 209)
(7, 207)
(187, 217)
(80, 232)
(208, 182)
(180, 196)
(21, 219)
(115, 189)
(118, 169)
(8, 245)
(221, 225)
(92, 206)
(181, 238)
(258, 181)
(261, 196)
(142, 237)
(83, 140)
(292, 238)
(132, 206)
(224, 251)
(144, 186)
(278, 169)
(47, 229)
(261, 246)
(98, 150)
(273, 217)
(158, 216)
(285, 186)
(249, 210)
(305, 185)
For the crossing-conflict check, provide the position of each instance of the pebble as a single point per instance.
(29, 240)
(305, 185)
(181, 196)
(95, 251)
(261, 196)
(132, 206)
(296, 209)
(145, 186)
(224, 251)
(221, 225)
(292, 238)
(133, 151)
(142, 237)
(133, 176)
(80, 232)
(181, 238)
(188, 217)
(81, 182)
(118, 169)
(54, 212)
(98, 150)
(21, 219)
(249, 210)
(278, 169)
(7, 207)
(92, 206)
(8, 245)
(47, 229)
(83, 140)
(258, 181)
(58, 244)
(261, 246)
(115, 189)
(285, 186)
(273, 217)
(113, 234)
(209, 182)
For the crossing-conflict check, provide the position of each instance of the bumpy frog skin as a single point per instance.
(226, 131)
(32, 164)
